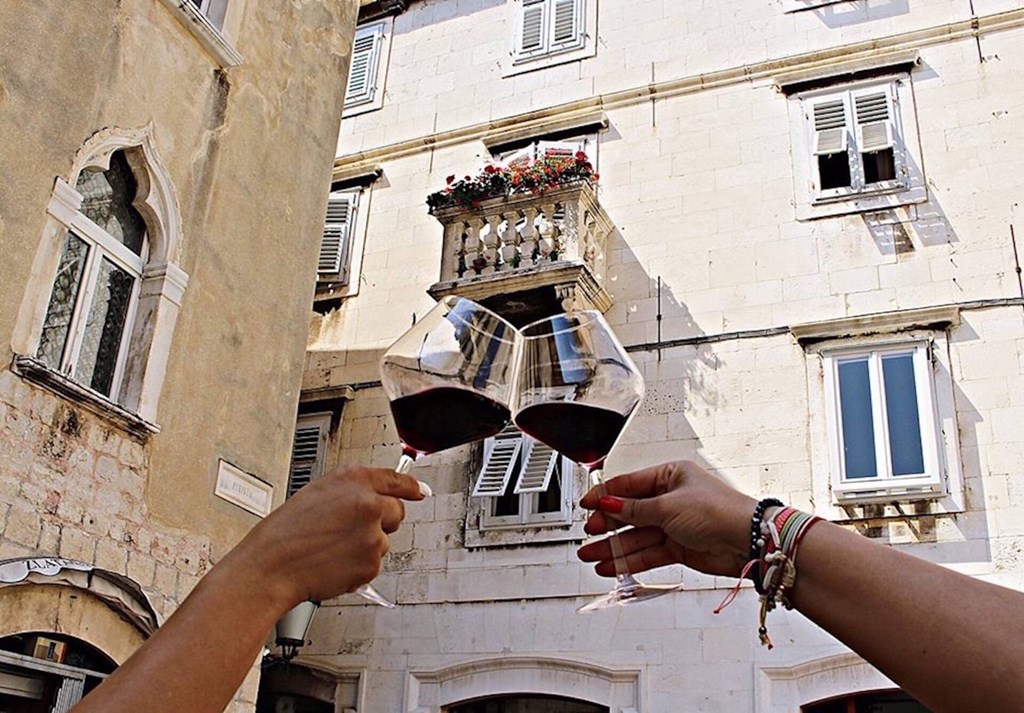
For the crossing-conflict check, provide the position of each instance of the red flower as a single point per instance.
(449, 179)
(580, 156)
(490, 169)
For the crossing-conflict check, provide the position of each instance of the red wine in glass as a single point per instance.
(445, 417)
(579, 431)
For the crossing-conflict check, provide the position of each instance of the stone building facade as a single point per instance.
(165, 171)
(807, 209)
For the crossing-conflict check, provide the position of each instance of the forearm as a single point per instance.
(940, 635)
(197, 660)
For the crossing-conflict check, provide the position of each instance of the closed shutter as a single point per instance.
(308, 450)
(830, 134)
(567, 24)
(362, 74)
(874, 121)
(531, 39)
(334, 244)
(501, 456)
(539, 461)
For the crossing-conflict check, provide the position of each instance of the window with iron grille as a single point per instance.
(308, 450)
(88, 325)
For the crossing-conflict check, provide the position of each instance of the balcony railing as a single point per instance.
(557, 238)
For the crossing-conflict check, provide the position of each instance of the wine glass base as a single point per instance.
(629, 594)
(369, 593)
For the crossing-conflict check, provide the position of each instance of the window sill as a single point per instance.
(801, 5)
(212, 40)
(861, 202)
(519, 535)
(34, 371)
(521, 65)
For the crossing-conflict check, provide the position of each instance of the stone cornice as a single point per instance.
(548, 119)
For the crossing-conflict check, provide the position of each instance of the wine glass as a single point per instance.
(577, 390)
(450, 382)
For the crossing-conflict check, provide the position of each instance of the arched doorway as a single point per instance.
(45, 672)
(527, 704)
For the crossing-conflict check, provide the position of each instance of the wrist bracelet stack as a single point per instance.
(776, 532)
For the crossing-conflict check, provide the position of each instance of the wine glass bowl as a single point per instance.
(577, 389)
(449, 378)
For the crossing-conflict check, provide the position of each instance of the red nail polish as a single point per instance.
(607, 503)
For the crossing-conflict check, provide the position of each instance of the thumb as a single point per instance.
(629, 511)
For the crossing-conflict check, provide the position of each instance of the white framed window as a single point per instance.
(97, 322)
(882, 422)
(856, 148)
(309, 450)
(89, 319)
(798, 5)
(542, 148)
(549, 32)
(523, 483)
(364, 90)
(212, 23)
(334, 263)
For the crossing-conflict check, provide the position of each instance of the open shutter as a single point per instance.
(308, 450)
(362, 74)
(334, 244)
(539, 463)
(830, 134)
(567, 24)
(501, 454)
(531, 37)
(874, 121)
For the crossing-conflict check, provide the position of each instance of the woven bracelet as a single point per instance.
(757, 540)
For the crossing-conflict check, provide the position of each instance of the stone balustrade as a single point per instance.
(558, 236)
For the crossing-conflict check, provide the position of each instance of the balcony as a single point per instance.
(527, 254)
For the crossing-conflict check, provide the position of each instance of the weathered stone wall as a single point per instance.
(248, 150)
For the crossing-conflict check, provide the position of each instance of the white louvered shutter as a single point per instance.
(830, 132)
(501, 454)
(362, 74)
(308, 451)
(532, 37)
(874, 121)
(539, 461)
(334, 243)
(566, 24)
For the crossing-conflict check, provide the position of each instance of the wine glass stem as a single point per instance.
(622, 576)
(405, 463)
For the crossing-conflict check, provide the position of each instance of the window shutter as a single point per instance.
(874, 121)
(567, 27)
(829, 127)
(539, 463)
(501, 454)
(308, 451)
(531, 27)
(335, 241)
(362, 74)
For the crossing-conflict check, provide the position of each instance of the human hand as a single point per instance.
(329, 538)
(681, 515)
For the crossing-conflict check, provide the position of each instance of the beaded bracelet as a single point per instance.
(757, 541)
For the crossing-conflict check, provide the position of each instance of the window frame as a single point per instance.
(885, 485)
(527, 516)
(321, 420)
(582, 46)
(799, 5)
(373, 98)
(212, 23)
(347, 284)
(908, 186)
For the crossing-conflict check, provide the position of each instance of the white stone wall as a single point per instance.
(700, 186)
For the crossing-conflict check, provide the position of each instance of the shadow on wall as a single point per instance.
(851, 13)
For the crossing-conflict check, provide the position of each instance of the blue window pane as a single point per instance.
(902, 415)
(855, 412)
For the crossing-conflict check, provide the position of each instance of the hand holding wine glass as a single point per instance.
(577, 391)
(449, 379)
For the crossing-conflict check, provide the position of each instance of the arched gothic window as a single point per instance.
(88, 322)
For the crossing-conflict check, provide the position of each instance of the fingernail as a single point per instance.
(607, 503)
(425, 490)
